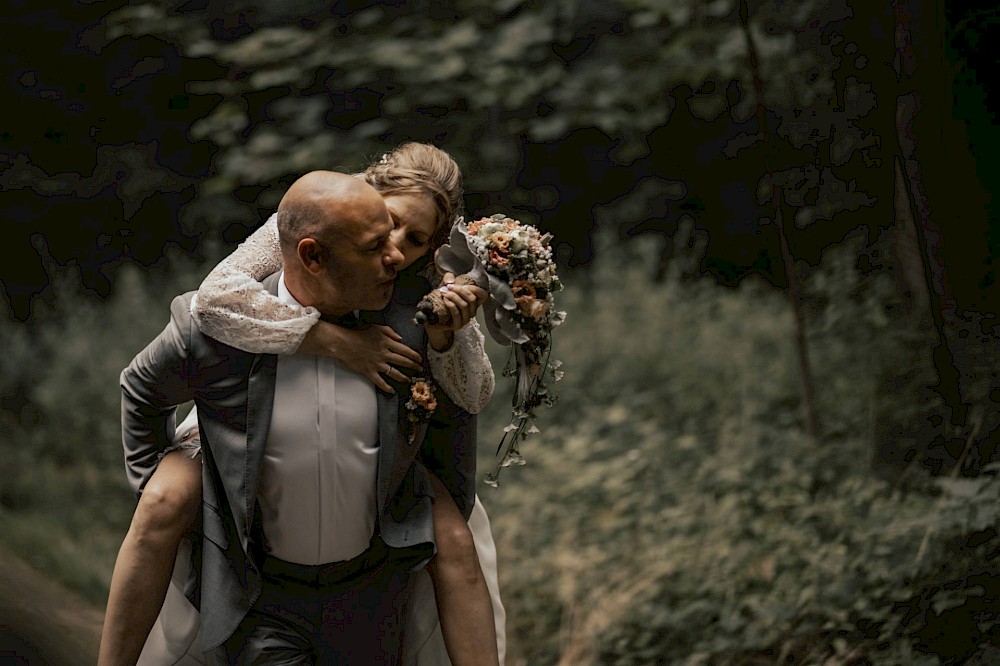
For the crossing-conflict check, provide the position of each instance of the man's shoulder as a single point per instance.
(198, 343)
(181, 304)
(180, 313)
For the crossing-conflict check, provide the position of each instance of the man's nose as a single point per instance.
(392, 257)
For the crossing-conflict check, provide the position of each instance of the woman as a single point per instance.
(422, 189)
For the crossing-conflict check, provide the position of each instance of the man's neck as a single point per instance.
(299, 290)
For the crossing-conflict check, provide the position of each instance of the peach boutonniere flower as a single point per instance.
(421, 403)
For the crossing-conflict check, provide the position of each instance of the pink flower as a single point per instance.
(498, 259)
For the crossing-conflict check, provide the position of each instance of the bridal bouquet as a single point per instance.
(513, 262)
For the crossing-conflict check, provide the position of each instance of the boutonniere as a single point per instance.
(421, 403)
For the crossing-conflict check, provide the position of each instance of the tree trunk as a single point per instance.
(912, 122)
(907, 256)
(795, 297)
(795, 292)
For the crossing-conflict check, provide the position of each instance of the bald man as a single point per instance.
(316, 508)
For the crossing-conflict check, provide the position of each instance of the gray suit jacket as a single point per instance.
(234, 392)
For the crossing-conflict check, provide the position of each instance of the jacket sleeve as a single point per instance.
(153, 384)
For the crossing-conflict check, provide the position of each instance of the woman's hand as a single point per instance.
(462, 302)
(371, 352)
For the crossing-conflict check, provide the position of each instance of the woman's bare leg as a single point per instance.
(167, 508)
(463, 599)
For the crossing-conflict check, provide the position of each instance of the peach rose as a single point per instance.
(522, 290)
(534, 308)
(501, 241)
(423, 395)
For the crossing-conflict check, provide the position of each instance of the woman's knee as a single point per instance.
(171, 499)
(457, 551)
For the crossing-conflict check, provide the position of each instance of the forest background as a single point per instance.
(776, 437)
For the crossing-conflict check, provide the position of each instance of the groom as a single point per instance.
(316, 502)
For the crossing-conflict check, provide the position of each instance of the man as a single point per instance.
(315, 504)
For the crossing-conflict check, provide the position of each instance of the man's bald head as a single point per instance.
(335, 243)
(322, 205)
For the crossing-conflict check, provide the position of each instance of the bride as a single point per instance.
(149, 620)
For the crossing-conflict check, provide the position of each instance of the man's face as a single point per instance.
(363, 262)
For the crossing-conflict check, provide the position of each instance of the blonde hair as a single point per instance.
(420, 168)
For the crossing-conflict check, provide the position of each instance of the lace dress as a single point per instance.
(232, 306)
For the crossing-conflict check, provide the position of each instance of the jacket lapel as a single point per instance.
(260, 402)
(397, 449)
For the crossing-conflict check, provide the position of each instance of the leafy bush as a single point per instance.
(65, 501)
(673, 512)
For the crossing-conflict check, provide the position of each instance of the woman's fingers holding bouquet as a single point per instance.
(461, 304)
(461, 301)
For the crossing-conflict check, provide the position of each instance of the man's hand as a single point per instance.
(372, 352)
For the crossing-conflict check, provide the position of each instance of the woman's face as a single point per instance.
(414, 219)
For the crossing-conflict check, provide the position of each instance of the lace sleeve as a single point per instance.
(232, 305)
(463, 371)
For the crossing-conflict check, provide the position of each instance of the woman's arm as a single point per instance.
(456, 353)
(232, 305)
(463, 370)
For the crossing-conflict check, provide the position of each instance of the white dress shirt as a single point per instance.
(317, 488)
(175, 637)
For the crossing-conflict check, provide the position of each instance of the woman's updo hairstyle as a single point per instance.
(420, 168)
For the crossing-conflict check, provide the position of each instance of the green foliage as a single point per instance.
(673, 512)
(483, 78)
(66, 503)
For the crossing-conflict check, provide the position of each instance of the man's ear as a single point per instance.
(312, 255)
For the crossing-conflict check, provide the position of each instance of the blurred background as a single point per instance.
(776, 437)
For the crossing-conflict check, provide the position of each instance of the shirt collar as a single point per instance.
(284, 295)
